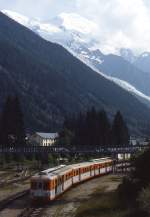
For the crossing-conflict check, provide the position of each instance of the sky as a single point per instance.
(122, 23)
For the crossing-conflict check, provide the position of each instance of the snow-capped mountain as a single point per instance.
(128, 55)
(65, 28)
(143, 62)
(79, 36)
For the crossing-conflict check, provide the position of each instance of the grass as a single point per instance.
(116, 179)
(101, 204)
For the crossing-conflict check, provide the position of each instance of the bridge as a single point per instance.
(107, 150)
(121, 165)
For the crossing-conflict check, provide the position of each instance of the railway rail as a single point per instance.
(4, 203)
(15, 180)
(32, 212)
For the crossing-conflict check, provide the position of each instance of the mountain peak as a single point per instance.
(145, 54)
(16, 16)
(73, 21)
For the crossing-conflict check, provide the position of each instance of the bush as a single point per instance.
(144, 200)
(127, 192)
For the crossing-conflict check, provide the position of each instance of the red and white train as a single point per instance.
(50, 183)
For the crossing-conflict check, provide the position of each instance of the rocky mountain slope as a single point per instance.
(52, 83)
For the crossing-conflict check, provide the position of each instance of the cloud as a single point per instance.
(38, 8)
(122, 23)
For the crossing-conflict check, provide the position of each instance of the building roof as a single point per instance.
(48, 135)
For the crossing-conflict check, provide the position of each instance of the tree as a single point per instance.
(66, 137)
(134, 191)
(120, 134)
(18, 124)
(12, 125)
(144, 200)
(6, 123)
(104, 129)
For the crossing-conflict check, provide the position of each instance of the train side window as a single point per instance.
(33, 185)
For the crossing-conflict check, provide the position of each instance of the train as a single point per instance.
(47, 185)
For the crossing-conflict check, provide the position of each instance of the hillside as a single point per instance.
(52, 83)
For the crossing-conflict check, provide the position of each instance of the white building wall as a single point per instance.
(41, 141)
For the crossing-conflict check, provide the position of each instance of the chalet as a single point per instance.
(44, 139)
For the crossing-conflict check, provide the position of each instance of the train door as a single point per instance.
(80, 172)
(99, 169)
(72, 176)
(106, 169)
(63, 182)
(40, 189)
(60, 184)
(56, 186)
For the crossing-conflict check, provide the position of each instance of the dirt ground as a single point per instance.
(12, 189)
(15, 208)
(69, 202)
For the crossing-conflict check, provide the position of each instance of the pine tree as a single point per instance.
(6, 124)
(18, 124)
(104, 129)
(12, 125)
(91, 127)
(120, 134)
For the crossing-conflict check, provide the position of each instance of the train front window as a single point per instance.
(40, 185)
(45, 185)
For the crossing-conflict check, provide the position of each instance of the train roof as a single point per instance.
(101, 159)
(62, 169)
(80, 165)
(46, 172)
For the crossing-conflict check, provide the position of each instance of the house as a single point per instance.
(139, 141)
(44, 139)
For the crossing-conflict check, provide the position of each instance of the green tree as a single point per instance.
(120, 133)
(6, 123)
(12, 125)
(66, 137)
(104, 129)
(144, 200)
(18, 123)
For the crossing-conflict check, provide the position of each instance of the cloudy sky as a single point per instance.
(122, 23)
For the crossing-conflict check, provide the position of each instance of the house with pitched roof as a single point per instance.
(44, 139)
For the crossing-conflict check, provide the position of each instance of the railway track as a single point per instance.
(4, 203)
(32, 212)
(15, 180)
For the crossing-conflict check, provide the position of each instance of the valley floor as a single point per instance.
(95, 198)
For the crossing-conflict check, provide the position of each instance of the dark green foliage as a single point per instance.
(5, 123)
(144, 200)
(141, 172)
(12, 125)
(131, 191)
(120, 134)
(93, 129)
(66, 137)
(104, 134)
(52, 84)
